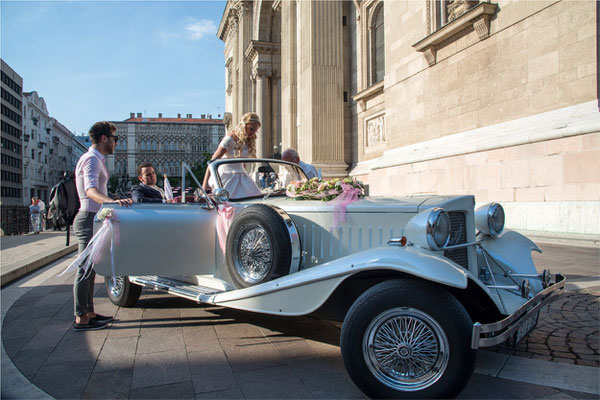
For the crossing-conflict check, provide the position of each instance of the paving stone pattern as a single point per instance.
(167, 347)
(20, 247)
(567, 331)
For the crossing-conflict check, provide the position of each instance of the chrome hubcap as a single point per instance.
(406, 349)
(254, 258)
(115, 285)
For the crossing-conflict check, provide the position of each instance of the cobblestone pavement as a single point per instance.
(566, 333)
(19, 247)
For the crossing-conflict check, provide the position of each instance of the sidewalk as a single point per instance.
(22, 254)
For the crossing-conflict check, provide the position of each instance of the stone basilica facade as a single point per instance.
(165, 142)
(496, 99)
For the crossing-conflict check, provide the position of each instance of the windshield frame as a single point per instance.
(214, 166)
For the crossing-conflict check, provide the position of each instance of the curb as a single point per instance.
(20, 268)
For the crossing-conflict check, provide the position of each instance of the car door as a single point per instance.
(160, 239)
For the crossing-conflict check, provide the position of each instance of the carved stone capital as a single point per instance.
(243, 8)
(257, 47)
(261, 73)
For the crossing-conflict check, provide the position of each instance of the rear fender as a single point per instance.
(303, 292)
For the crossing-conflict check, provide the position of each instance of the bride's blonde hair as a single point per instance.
(242, 138)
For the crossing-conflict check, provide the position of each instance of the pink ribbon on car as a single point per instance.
(108, 233)
(224, 217)
(349, 195)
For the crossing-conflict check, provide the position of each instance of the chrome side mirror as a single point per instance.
(221, 195)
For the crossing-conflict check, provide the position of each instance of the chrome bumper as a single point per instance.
(498, 332)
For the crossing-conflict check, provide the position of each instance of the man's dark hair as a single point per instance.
(143, 165)
(102, 128)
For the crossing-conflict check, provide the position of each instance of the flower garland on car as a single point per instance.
(338, 192)
(109, 232)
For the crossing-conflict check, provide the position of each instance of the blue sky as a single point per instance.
(101, 60)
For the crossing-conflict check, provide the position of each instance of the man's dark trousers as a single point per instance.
(83, 289)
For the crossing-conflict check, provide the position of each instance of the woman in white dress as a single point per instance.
(239, 143)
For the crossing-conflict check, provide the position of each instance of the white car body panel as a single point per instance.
(303, 292)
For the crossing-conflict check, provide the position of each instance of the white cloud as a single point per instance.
(197, 29)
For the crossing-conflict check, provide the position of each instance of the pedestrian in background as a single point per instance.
(42, 206)
(34, 215)
(92, 179)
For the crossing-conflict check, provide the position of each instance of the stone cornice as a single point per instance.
(576, 120)
(370, 92)
(478, 17)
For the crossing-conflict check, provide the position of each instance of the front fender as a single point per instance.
(303, 292)
(513, 251)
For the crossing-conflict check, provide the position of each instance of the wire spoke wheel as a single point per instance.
(116, 286)
(406, 349)
(255, 254)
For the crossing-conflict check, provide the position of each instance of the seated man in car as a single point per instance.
(147, 191)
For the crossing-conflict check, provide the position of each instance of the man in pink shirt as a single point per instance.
(91, 178)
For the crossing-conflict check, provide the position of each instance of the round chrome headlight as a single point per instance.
(438, 229)
(489, 219)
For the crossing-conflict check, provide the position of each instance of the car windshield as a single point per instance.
(248, 177)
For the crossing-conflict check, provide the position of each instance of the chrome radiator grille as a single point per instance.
(458, 235)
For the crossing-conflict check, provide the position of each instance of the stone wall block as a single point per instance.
(568, 192)
(581, 167)
(582, 15)
(499, 195)
(544, 100)
(529, 194)
(565, 145)
(579, 214)
(468, 120)
(576, 54)
(591, 141)
(513, 77)
(543, 28)
(590, 192)
(515, 108)
(546, 171)
(489, 115)
(488, 176)
(543, 66)
(514, 174)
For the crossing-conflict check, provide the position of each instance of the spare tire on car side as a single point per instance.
(259, 246)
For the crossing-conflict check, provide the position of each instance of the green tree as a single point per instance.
(113, 184)
(199, 169)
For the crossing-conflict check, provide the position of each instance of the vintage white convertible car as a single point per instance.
(419, 282)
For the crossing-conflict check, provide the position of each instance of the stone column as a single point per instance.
(262, 56)
(321, 86)
(288, 75)
(244, 98)
(263, 109)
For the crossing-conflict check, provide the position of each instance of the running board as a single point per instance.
(186, 290)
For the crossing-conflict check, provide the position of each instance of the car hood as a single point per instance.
(408, 204)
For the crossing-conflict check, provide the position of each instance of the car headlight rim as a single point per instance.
(438, 229)
(496, 219)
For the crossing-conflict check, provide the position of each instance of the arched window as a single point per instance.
(377, 45)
